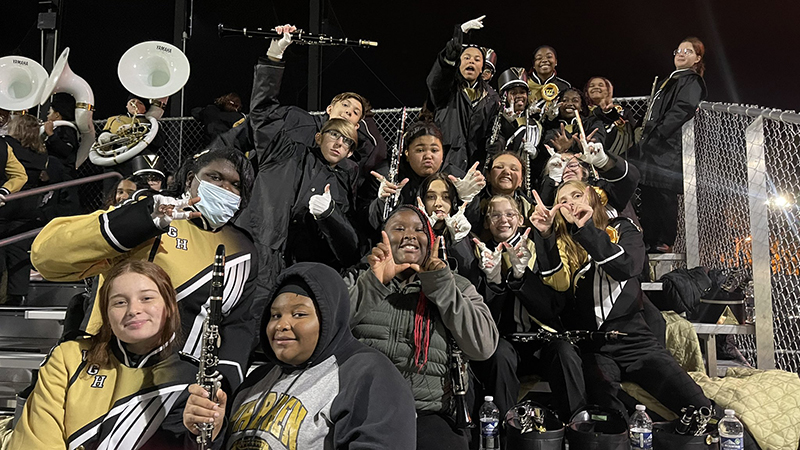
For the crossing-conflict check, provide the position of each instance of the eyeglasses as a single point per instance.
(685, 51)
(573, 166)
(495, 217)
(345, 140)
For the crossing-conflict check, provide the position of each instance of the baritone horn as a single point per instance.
(63, 79)
(153, 70)
(21, 82)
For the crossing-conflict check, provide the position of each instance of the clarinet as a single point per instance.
(650, 104)
(394, 167)
(493, 138)
(208, 377)
(459, 378)
(572, 336)
(298, 37)
(685, 423)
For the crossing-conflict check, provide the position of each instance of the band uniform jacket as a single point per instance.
(77, 247)
(659, 156)
(135, 402)
(464, 115)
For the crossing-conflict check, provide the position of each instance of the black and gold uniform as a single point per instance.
(136, 401)
(78, 247)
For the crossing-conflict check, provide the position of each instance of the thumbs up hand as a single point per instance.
(318, 205)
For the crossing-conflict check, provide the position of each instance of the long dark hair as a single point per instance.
(206, 157)
(100, 349)
(699, 50)
(455, 201)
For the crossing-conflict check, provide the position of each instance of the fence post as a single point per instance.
(759, 231)
(690, 195)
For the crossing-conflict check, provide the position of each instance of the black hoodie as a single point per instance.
(346, 395)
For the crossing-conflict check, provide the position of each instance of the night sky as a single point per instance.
(752, 47)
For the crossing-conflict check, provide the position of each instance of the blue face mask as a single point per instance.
(216, 204)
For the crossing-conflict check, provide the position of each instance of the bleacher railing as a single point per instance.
(740, 206)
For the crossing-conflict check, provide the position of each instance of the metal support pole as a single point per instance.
(314, 57)
(759, 229)
(690, 196)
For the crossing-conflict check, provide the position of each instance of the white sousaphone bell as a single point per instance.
(153, 70)
(21, 82)
(63, 79)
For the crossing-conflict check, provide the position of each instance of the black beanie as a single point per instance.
(64, 104)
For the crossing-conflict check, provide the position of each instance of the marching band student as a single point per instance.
(618, 121)
(179, 230)
(504, 260)
(594, 261)
(463, 103)
(659, 154)
(407, 305)
(543, 71)
(322, 388)
(563, 133)
(62, 141)
(225, 113)
(123, 388)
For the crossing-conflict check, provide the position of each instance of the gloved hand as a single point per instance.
(388, 188)
(530, 149)
(474, 24)
(490, 262)
(555, 165)
(166, 209)
(458, 224)
(319, 204)
(106, 137)
(594, 154)
(469, 186)
(552, 112)
(278, 46)
(519, 255)
(3, 193)
(433, 217)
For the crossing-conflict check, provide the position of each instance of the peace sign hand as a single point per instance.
(388, 188)
(166, 209)
(490, 262)
(433, 217)
(381, 261)
(542, 218)
(519, 255)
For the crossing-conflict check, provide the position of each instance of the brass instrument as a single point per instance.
(394, 167)
(208, 377)
(298, 37)
(459, 378)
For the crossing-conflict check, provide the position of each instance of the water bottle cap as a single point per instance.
(488, 398)
(730, 412)
(640, 407)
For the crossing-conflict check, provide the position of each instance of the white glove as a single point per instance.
(106, 137)
(594, 154)
(432, 218)
(458, 224)
(278, 46)
(519, 255)
(490, 262)
(3, 193)
(552, 112)
(474, 24)
(318, 204)
(166, 209)
(555, 166)
(469, 186)
(530, 149)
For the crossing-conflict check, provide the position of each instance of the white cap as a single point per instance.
(488, 398)
(730, 412)
(640, 407)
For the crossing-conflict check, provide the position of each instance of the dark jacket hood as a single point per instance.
(332, 301)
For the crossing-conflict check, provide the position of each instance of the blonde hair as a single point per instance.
(344, 127)
(575, 253)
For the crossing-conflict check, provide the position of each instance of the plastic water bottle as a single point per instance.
(641, 430)
(731, 432)
(490, 424)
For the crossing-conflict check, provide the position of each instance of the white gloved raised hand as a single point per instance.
(388, 188)
(474, 24)
(594, 154)
(490, 261)
(530, 149)
(318, 204)
(469, 186)
(166, 209)
(278, 46)
(555, 165)
(458, 224)
(519, 255)
(432, 217)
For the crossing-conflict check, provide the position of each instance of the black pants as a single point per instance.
(559, 363)
(436, 432)
(658, 215)
(639, 358)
